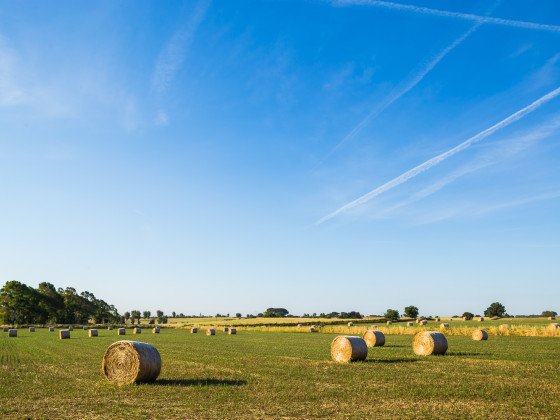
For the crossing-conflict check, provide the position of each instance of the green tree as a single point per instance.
(238, 315)
(468, 315)
(147, 314)
(160, 314)
(126, 316)
(173, 314)
(18, 303)
(546, 314)
(495, 309)
(392, 314)
(135, 315)
(411, 311)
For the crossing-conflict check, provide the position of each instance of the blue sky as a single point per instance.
(218, 156)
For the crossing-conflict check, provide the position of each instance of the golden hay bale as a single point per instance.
(429, 342)
(70, 328)
(504, 327)
(313, 326)
(194, 330)
(345, 348)
(137, 330)
(389, 322)
(31, 329)
(51, 329)
(350, 324)
(417, 320)
(299, 325)
(437, 319)
(374, 338)
(444, 325)
(110, 328)
(373, 327)
(423, 322)
(12, 333)
(92, 333)
(121, 331)
(554, 326)
(478, 335)
(86, 328)
(210, 331)
(311, 329)
(232, 331)
(550, 318)
(126, 362)
(6, 329)
(464, 318)
(481, 319)
(225, 329)
(62, 334)
(155, 330)
(410, 324)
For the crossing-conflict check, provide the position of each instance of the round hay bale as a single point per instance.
(423, 322)
(194, 330)
(374, 338)
(155, 330)
(299, 325)
(12, 333)
(481, 319)
(6, 329)
(444, 325)
(137, 330)
(70, 328)
(410, 324)
(225, 329)
(126, 362)
(92, 333)
(110, 328)
(389, 322)
(345, 348)
(51, 329)
(429, 342)
(350, 324)
(85, 328)
(504, 327)
(373, 327)
(62, 334)
(464, 318)
(550, 318)
(437, 319)
(121, 331)
(311, 329)
(478, 335)
(210, 331)
(554, 326)
(31, 329)
(232, 331)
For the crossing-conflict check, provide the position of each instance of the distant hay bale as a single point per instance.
(232, 331)
(374, 338)
(347, 348)
(418, 320)
(12, 333)
(444, 325)
(225, 329)
(410, 324)
(155, 330)
(350, 324)
(194, 330)
(464, 318)
(110, 328)
(481, 319)
(299, 325)
(437, 319)
(210, 331)
(51, 329)
(6, 329)
(374, 327)
(554, 326)
(70, 328)
(429, 342)
(389, 322)
(85, 328)
(92, 333)
(137, 330)
(313, 326)
(121, 331)
(478, 335)
(126, 362)
(423, 322)
(551, 318)
(62, 334)
(31, 329)
(311, 329)
(504, 327)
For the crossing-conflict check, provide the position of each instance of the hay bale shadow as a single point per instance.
(198, 382)
(390, 360)
(464, 353)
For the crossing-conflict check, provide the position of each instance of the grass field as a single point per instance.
(272, 375)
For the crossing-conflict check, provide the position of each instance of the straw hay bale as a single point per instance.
(137, 330)
(126, 362)
(504, 327)
(417, 320)
(373, 327)
(437, 319)
(70, 328)
(423, 322)
(429, 342)
(225, 329)
(31, 329)
(481, 319)
(350, 324)
(6, 329)
(62, 334)
(374, 338)
(410, 324)
(444, 325)
(155, 330)
(464, 318)
(551, 318)
(210, 331)
(389, 322)
(86, 328)
(478, 335)
(121, 331)
(554, 326)
(345, 348)
(92, 333)
(110, 328)
(194, 330)
(51, 329)
(299, 325)
(232, 331)
(12, 333)
(311, 329)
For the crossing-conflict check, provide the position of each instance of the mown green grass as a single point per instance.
(272, 375)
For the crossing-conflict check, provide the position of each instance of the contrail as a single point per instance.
(437, 159)
(456, 15)
(403, 88)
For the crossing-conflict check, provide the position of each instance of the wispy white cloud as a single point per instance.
(174, 53)
(444, 13)
(516, 203)
(441, 157)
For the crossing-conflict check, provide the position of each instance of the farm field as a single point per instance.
(274, 374)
